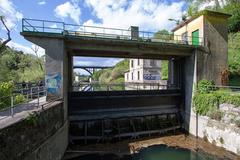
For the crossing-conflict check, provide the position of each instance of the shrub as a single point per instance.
(205, 103)
(6, 89)
(32, 118)
(230, 98)
(205, 86)
(19, 99)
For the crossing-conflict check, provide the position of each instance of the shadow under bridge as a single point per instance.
(103, 115)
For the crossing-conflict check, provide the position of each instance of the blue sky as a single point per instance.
(149, 15)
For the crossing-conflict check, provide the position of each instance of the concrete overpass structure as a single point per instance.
(189, 62)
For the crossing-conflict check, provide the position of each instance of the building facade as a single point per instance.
(143, 71)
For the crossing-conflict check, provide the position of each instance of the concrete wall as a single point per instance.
(217, 133)
(214, 61)
(58, 68)
(196, 24)
(188, 83)
(43, 136)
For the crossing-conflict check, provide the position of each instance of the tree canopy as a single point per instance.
(18, 67)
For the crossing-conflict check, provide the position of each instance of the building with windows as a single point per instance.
(146, 71)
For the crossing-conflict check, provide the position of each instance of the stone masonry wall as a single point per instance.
(216, 132)
(21, 139)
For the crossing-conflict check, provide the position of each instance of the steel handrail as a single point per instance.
(145, 34)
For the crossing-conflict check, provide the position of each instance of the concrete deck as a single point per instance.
(20, 112)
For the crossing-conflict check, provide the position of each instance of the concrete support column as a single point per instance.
(54, 66)
(173, 73)
(70, 72)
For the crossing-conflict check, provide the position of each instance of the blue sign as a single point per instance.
(151, 77)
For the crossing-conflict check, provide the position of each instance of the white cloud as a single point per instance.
(25, 49)
(41, 2)
(8, 10)
(93, 61)
(147, 14)
(53, 25)
(69, 9)
(206, 5)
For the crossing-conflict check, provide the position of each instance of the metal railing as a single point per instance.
(226, 89)
(32, 97)
(88, 87)
(45, 26)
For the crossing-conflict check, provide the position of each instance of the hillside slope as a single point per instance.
(18, 67)
(112, 75)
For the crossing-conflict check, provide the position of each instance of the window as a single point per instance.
(138, 62)
(138, 75)
(132, 75)
(127, 76)
(132, 63)
(152, 62)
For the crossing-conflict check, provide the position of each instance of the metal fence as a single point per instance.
(45, 26)
(88, 87)
(229, 89)
(32, 96)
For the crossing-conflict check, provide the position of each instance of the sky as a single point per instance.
(149, 15)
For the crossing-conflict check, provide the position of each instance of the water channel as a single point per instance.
(166, 147)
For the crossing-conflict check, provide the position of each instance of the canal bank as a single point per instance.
(125, 148)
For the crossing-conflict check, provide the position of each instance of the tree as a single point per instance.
(226, 6)
(35, 49)
(3, 44)
(163, 35)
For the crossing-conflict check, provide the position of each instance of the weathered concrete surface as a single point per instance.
(28, 137)
(217, 133)
(213, 61)
(20, 112)
(53, 148)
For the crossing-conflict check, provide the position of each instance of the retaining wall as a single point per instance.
(216, 132)
(42, 136)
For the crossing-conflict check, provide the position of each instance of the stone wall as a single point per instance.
(30, 137)
(216, 132)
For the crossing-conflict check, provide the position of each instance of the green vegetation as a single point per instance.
(164, 35)
(164, 69)
(205, 86)
(230, 7)
(32, 119)
(207, 99)
(234, 58)
(6, 89)
(206, 103)
(18, 67)
(112, 75)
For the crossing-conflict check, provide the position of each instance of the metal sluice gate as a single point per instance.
(115, 129)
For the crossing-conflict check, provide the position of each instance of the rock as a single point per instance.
(225, 107)
(228, 118)
(236, 110)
